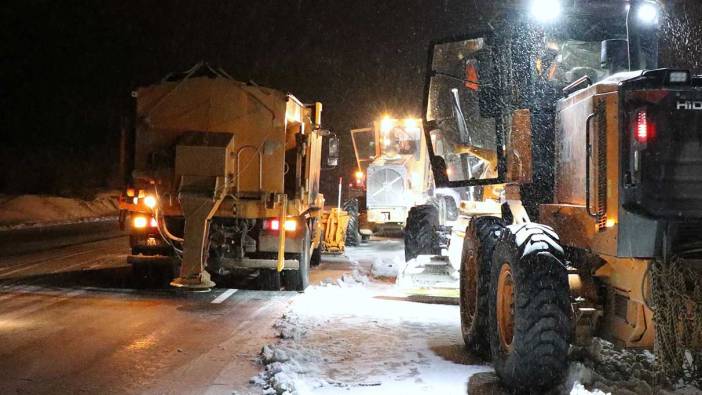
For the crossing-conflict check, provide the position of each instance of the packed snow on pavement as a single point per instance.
(360, 334)
(365, 337)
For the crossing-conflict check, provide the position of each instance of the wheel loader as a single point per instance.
(586, 160)
(226, 179)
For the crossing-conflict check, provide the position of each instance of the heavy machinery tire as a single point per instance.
(529, 306)
(421, 231)
(316, 257)
(479, 243)
(298, 280)
(353, 234)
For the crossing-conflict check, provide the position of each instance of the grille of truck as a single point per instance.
(386, 187)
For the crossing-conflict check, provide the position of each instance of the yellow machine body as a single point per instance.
(214, 153)
(596, 228)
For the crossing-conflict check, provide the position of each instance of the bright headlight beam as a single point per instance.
(150, 201)
(647, 13)
(386, 124)
(545, 11)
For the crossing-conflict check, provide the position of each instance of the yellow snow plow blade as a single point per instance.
(429, 279)
(334, 223)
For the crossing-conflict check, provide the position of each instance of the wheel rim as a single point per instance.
(505, 307)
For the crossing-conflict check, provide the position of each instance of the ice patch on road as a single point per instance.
(366, 340)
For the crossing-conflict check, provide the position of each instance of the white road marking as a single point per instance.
(221, 298)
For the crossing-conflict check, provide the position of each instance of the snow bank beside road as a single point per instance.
(36, 210)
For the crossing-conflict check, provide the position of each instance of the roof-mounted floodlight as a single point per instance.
(545, 11)
(647, 12)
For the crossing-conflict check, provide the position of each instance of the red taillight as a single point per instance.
(271, 224)
(274, 225)
(644, 129)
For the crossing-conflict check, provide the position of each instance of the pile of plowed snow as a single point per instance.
(32, 210)
(605, 369)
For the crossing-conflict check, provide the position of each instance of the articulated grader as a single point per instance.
(393, 171)
(226, 177)
(574, 124)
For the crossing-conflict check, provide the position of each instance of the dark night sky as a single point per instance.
(68, 66)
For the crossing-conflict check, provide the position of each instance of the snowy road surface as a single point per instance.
(367, 338)
(74, 320)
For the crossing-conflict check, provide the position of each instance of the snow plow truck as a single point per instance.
(586, 160)
(226, 178)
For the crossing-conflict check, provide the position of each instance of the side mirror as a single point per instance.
(331, 150)
(333, 157)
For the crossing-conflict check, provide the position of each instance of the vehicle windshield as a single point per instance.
(399, 138)
(459, 108)
(562, 62)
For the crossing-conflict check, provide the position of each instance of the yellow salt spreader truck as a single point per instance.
(226, 178)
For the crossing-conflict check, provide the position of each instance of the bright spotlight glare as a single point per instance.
(545, 10)
(648, 13)
(386, 124)
(150, 201)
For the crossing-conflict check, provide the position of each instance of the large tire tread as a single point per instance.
(538, 360)
(421, 231)
(481, 236)
(353, 234)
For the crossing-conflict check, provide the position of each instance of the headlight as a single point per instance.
(150, 201)
(545, 11)
(648, 13)
(140, 222)
(386, 124)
